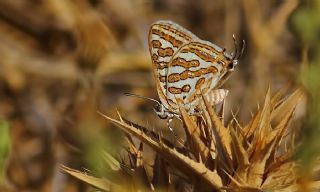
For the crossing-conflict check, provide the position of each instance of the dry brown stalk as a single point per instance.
(252, 158)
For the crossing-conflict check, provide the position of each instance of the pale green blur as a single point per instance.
(307, 23)
(4, 147)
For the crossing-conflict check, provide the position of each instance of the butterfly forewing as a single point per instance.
(165, 39)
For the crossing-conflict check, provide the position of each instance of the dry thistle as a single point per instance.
(214, 157)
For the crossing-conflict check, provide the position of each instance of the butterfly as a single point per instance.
(186, 67)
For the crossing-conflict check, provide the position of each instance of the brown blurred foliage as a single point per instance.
(61, 61)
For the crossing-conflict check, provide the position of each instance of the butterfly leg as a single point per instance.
(169, 120)
(175, 136)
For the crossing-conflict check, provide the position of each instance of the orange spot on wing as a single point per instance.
(174, 90)
(165, 52)
(186, 88)
(174, 77)
(156, 44)
(183, 63)
(200, 82)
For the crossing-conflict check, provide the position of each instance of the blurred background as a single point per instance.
(62, 61)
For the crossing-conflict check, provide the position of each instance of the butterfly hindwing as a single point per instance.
(194, 70)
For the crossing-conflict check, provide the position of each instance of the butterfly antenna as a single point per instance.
(142, 97)
(243, 47)
(235, 47)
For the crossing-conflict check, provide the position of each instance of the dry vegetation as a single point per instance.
(62, 61)
(213, 157)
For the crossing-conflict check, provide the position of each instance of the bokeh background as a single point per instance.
(62, 61)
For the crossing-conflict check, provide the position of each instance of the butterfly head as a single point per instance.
(232, 63)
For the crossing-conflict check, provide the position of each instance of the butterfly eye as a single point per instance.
(232, 65)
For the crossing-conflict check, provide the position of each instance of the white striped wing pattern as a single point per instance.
(185, 67)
